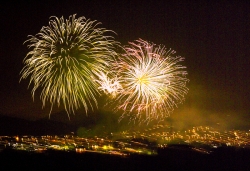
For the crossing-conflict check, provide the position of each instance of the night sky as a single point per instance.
(214, 38)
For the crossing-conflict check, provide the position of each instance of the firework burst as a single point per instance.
(66, 58)
(152, 80)
(109, 85)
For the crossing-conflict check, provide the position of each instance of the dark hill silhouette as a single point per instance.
(16, 126)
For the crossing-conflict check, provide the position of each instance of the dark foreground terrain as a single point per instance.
(221, 159)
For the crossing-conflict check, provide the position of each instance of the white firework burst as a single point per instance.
(153, 82)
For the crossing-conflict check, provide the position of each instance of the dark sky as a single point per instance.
(214, 38)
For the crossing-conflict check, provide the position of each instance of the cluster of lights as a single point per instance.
(203, 139)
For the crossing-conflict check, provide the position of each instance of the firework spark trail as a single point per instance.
(153, 82)
(65, 59)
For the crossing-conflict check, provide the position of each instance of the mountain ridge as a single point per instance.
(18, 126)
